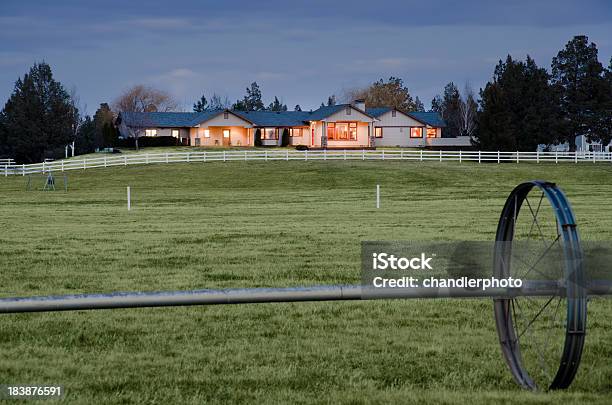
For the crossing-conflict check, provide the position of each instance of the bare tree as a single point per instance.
(141, 98)
(467, 112)
(218, 103)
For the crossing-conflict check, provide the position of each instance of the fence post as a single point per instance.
(266, 156)
(23, 169)
(344, 154)
(5, 170)
(383, 154)
(378, 196)
(556, 156)
(287, 155)
(104, 160)
(498, 157)
(421, 154)
(478, 156)
(324, 154)
(306, 155)
(43, 170)
(245, 156)
(440, 155)
(125, 160)
(224, 156)
(401, 154)
(362, 154)
(166, 157)
(129, 199)
(84, 163)
(62, 165)
(517, 156)
(204, 159)
(459, 155)
(537, 156)
(593, 157)
(189, 156)
(575, 156)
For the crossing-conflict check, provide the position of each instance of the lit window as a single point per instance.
(197, 141)
(353, 131)
(431, 132)
(295, 132)
(150, 132)
(378, 132)
(393, 113)
(226, 133)
(341, 131)
(416, 132)
(175, 133)
(225, 115)
(269, 133)
(207, 133)
(331, 130)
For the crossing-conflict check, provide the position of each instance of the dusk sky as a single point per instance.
(299, 51)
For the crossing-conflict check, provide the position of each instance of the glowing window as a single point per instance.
(150, 132)
(226, 133)
(353, 131)
(207, 133)
(378, 132)
(295, 132)
(431, 132)
(270, 133)
(175, 133)
(331, 130)
(416, 132)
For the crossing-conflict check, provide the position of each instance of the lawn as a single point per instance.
(252, 224)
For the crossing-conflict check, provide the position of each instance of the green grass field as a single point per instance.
(251, 224)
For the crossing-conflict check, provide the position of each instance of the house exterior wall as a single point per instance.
(231, 121)
(396, 131)
(239, 136)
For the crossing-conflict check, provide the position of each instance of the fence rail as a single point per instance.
(307, 155)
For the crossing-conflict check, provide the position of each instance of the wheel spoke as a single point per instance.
(537, 315)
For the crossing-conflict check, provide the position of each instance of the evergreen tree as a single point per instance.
(85, 140)
(451, 110)
(584, 90)
(38, 120)
(252, 101)
(418, 104)
(390, 93)
(105, 134)
(436, 104)
(201, 105)
(331, 100)
(276, 105)
(297, 108)
(519, 108)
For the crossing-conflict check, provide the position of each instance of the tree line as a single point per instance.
(521, 107)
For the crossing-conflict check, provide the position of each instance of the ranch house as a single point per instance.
(337, 126)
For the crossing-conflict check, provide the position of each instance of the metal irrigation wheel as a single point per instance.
(537, 240)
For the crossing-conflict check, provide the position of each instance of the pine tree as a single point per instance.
(418, 104)
(38, 120)
(585, 92)
(201, 105)
(297, 108)
(451, 110)
(436, 104)
(276, 105)
(252, 101)
(105, 134)
(519, 108)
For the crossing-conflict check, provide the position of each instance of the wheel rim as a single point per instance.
(541, 337)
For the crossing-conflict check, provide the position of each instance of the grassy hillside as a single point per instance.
(251, 224)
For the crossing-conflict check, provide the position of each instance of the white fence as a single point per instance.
(308, 155)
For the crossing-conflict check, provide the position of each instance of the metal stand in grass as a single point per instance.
(541, 327)
(49, 182)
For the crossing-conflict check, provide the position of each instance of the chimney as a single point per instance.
(360, 104)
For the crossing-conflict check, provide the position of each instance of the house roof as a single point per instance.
(377, 112)
(276, 119)
(261, 118)
(430, 118)
(166, 119)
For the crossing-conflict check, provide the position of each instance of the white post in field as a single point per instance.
(378, 196)
(129, 199)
